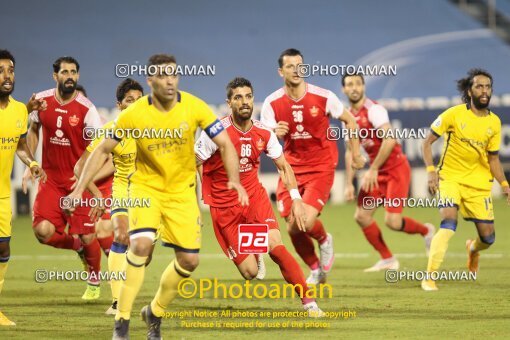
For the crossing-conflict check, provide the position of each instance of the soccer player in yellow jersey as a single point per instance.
(163, 125)
(124, 155)
(466, 171)
(14, 122)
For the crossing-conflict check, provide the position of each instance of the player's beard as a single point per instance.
(244, 116)
(355, 101)
(67, 89)
(479, 105)
(4, 93)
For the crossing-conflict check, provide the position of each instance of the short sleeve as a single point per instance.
(443, 123)
(273, 148)
(378, 116)
(24, 121)
(204, 147)
(495, 140)
(120, 125)
(334, 106)
(267, 116)
(92, 118)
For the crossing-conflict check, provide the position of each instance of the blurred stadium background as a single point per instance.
(433, 43)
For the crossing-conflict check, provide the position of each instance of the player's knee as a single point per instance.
(141, 246)
(121, 237)
(275, 238)
(189, 261)
(43, 232)
(104, 228)
(5, 251)
(393, 221)
(249, 273)
(87, 238)
(489, 239)
(361, 218)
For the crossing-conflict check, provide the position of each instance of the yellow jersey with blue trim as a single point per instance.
(468, 141)
(165, 157)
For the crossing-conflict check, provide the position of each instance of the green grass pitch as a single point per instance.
(468, 310)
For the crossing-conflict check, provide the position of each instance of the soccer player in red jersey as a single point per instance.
(389, 175)
(63, 120)
(299, 113)
(250, 139)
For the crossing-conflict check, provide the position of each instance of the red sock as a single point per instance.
(305, 249)
(374, 237)
(63, 241)
(411, 226)
(318, 232)
(92, 253)
(291, 271)
(106, 243)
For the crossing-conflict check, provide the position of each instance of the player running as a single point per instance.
(63, 121)
(124, 155)
(250, 139)
(299, 113)
(165, 173)
(389, 175)
(14, 121)
(466, 171)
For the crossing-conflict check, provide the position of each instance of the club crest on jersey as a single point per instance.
(260, 144)
(314, 111)
(18, 124)
(74, 120)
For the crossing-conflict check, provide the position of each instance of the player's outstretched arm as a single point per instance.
(32, 141)
(289, 180)
(26, 156)
(369, 180)
(358, 161)
(349, 174)
(94, 162)
(231, 164)
(499, 174)
(433, 180)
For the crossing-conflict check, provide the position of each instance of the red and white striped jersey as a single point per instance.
(249, 146)
(62, 134)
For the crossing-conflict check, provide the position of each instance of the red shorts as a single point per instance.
(226, 222)
(393, 184)
(107, 193)
(47, 207)
(314, 188)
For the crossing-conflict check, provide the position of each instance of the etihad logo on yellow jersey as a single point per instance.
(168, 143)
(129, 156)
(9, 140)
(474, 142)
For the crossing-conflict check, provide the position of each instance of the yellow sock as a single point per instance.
(168, 284)
(3, 270)
(438, 248)
(135, 272)
(116, 263)
(479, 245)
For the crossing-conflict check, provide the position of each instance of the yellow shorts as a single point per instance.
(119, 193)
(176, 216)
(474, 204)
(5, 219)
